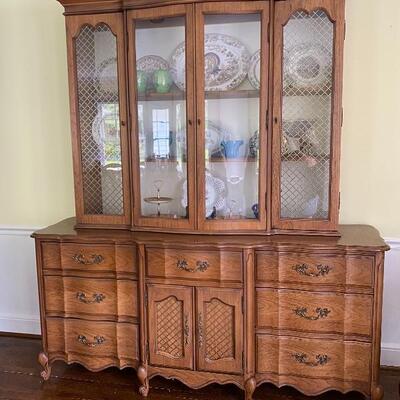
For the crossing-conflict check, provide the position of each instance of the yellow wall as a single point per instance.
(35, 168)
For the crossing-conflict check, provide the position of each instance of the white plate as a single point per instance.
(150, 64)
(226, 63)
(308, 66)
(107, 76)
(255, 70)
(101, 134)
(215, 194)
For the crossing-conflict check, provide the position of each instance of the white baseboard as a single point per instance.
(390, 355)
(20, 324)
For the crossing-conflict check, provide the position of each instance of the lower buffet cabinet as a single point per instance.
(298, 311)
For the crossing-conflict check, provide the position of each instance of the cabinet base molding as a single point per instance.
(196, 379)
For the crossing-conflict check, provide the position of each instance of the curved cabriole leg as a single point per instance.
(250, 387)
(377, 393)
(144, 381)
(44, 362)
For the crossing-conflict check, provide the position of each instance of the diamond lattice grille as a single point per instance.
(169, 317)
(98, 102)
(219, 331)
(307, 115)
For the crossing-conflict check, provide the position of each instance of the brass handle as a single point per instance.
(303, 311)
(303, 269)
(98, 340)
(97, 298)
(93, 259)
(186, 330)
(200, 330)
(301, 358)
(201, 266)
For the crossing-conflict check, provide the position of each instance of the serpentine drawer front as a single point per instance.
(89, 257)
(198, 265)
(94, 344)
(91, 298)
(322, 363)
(313, 269)
(312, 312)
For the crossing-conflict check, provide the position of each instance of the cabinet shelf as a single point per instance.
(299, 156)
(232, 160)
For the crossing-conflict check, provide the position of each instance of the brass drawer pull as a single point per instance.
(186, 330)
(97, 298)
(301, 358)
(303, 269)
(200, 330)
(93, 259)
(98, 340)
(303, 311)
(201, 266)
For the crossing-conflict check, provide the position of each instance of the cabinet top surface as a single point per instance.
(352, 236)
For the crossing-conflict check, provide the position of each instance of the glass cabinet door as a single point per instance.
(99, 119)
(162, 82)
(232, 108)
(308, 120)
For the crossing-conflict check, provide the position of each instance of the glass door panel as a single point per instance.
(102, 191)
(232, 80)
(162, 111)
(306, 115)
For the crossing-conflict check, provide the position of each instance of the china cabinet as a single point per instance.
(206, 245)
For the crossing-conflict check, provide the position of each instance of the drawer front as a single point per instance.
(316, 359)
(312, 312)
(198, 265)
(93, 344)
(99, 298)
(89, 257)
(314, 269)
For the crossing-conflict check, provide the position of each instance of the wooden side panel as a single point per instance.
(314, 366)
(96, 345)
(198, 265)
(89, 257)
(220, 330)
(94, 298)
(314, 269)
(331, 313)
(170, 324)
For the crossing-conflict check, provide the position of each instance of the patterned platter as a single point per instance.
(226, 63)
(308, 66)
(255, 70)
(215, 194)
(151, 63)
(107, 76)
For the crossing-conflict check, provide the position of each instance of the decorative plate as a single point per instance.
(214, 135)
(215, 194)
(298, 127)
(150, 64)
(226, 63)
(107, 76)
(308, 66)
(255, 70)
(104, 132)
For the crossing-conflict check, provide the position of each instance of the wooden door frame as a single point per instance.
(74, 25)
(283, 11)
(230, 8)
(186, 11)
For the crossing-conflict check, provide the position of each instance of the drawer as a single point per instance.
(89, 257)
(346, 365)
(96, 345)
(292, 310)
(99, 298)
(314, 269)
(197, 265)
